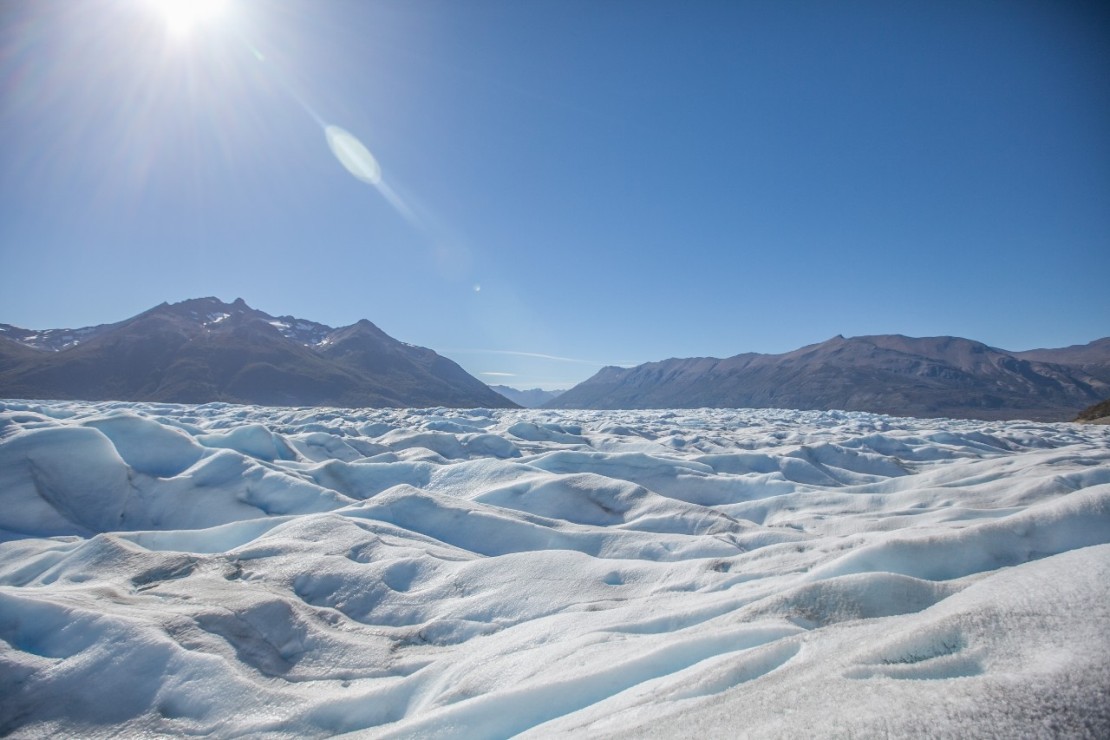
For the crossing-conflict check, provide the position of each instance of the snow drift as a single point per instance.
(238, 570)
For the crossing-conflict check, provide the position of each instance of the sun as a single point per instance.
(182, 17)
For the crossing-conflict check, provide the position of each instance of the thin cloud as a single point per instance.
(537, 355)
(547, 385)
(501, 375)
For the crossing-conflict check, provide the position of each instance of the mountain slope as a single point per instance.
(1099, 413)
(934, 376)
(205, 350)
(1092, 358)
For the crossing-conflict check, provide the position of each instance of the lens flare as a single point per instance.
(354, 157)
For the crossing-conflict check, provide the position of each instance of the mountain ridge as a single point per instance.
(203, 350)
(884, 373)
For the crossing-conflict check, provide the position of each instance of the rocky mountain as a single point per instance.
(205, 350)
(893, 374)
(529, 399)
(1098, 413)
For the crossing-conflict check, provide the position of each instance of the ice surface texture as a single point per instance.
(241, 570)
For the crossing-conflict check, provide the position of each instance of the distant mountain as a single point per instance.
(205, 350)
(529, 399)
(930, 377)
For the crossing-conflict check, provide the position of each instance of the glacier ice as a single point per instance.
(240, 570)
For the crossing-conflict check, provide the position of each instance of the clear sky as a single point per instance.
(604, 182)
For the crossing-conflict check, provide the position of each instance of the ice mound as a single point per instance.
(231, 570)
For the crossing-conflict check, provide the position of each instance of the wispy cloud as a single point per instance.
(537, 355)
(501, 375)
(547, 385)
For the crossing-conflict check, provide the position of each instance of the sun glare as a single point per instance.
(183, 16)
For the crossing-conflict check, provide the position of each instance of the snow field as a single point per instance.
(238, 570)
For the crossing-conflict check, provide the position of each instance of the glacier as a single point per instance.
(311, 572)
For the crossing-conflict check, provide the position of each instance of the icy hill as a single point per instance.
(249, 571)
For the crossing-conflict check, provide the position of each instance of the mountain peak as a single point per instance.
(202, 350)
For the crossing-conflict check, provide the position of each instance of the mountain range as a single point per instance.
(530, 399)
(893, 374)
(204, 350)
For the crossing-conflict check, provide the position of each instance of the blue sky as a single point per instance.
(566, 184)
